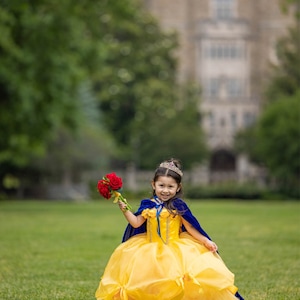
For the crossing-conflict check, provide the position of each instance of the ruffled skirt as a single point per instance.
(183, 269)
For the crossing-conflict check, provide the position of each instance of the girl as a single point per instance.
(165, 254)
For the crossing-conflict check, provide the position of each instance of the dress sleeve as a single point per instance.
(131, 231)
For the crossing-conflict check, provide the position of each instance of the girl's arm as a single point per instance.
(210, 245)
(133, 220)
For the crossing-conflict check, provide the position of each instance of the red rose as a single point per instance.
(115, 182)
(103, 188)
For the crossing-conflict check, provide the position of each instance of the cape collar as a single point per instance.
(157, 201)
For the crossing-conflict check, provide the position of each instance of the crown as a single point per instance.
(171, 166)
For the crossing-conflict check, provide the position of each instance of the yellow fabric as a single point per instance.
(169, 266)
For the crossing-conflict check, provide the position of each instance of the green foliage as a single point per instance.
(286, 76)
(58, 250)
(142, 105)
(225, 191)
(83, 83)
(138, 73)
(246, 141)
(50, 49)
(279, 136)
(274, 140)
(169, 130)
(43, 51)
(288, 4)
(285, 79)
(247, 191)
(69, 154)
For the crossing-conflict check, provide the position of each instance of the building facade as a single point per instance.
(227, 46)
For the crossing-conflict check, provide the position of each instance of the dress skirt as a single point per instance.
(165, 266)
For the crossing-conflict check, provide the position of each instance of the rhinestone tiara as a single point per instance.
(171, 166)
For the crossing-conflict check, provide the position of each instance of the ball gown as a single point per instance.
(162, 261)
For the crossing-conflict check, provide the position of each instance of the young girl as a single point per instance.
(165, 254)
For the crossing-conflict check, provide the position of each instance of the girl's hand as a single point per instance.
(211, 246)
(122, 206)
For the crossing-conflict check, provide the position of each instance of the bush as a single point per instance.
(225, 191)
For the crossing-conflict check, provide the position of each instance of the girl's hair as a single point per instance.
(165, 171)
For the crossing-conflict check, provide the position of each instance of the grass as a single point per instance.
(58, 250)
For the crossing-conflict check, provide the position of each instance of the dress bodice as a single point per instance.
(162, 226)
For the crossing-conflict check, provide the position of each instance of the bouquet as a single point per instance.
(110, 186)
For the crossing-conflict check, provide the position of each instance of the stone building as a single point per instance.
(227, 47)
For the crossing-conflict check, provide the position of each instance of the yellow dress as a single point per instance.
(165, 264)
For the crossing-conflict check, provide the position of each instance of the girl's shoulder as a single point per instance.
(179, 202)
(180, 205)
(146, 203)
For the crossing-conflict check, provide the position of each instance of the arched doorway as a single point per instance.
(222, 166)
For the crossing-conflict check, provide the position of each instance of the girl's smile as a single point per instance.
(165, 187)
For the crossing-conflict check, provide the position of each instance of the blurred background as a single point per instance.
(90, 87)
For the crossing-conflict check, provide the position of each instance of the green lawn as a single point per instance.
(57, 250)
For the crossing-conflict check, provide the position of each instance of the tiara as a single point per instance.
(171, 166)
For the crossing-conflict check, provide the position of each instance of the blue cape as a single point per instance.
(186, 213)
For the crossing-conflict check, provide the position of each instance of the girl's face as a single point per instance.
(165, 187)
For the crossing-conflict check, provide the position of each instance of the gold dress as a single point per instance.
(165, 264)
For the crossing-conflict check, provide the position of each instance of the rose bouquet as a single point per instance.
(110, 186)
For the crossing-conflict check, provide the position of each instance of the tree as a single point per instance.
(69, 155)
(50, 49)
(246, 141)
(278, 135)
(139, 95)
(44, 49)
(139, 71)
(171, 130)
(274, 140)
(286, 75)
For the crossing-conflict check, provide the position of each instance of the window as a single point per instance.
(234, 87)
(235, 52)
(223, 122)
(212, 87)
(213, 52)
(249, 119)
(229, 87)
(227, 51)
(223, 9)
(211, 119)
(233, 120)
